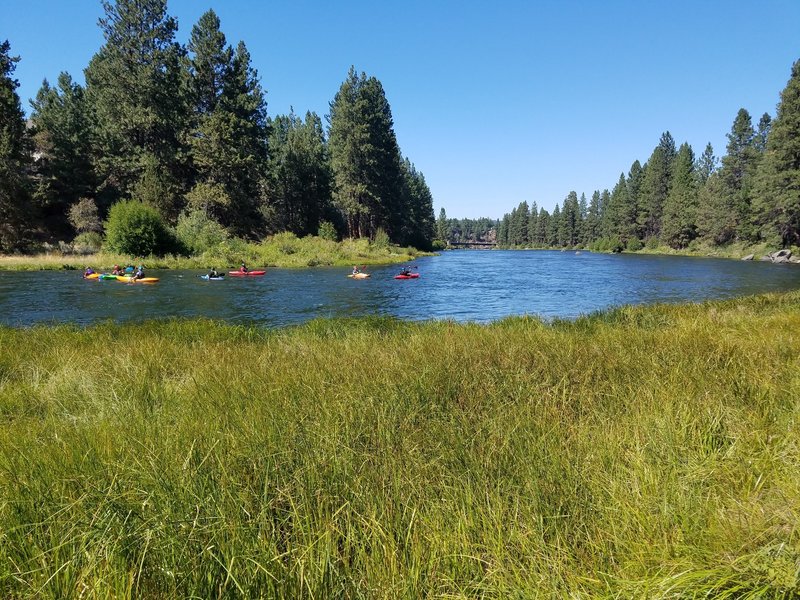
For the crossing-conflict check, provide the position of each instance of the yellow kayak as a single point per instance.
(92, 276)
(129, 279)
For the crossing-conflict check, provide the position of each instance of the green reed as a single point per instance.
(635, 453)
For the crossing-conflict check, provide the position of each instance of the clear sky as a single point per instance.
(495, 102)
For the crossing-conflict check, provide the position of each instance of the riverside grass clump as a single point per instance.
(647, 452)
(284, 250)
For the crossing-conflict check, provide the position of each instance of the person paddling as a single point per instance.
(212, 274)
(243, 268)
(139, 272)
(87, 272)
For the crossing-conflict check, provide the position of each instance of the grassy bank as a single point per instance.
(283, 250)
(638, 453)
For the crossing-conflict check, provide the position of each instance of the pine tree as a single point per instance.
(442, 233)
(777, 198)
(243, 116)
(554, 228)
(656, 185)
(365, 157)
(737, 172)
(680, 207)
(533, 225)
(762, 135)
(419, 224)
(14, 157)
(706, 164)
(592, 228)
(135, 86)
(64, 174)
(298, 190)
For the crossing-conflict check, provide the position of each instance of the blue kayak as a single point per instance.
(207, 278)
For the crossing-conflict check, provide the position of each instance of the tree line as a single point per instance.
(750, 195)
(184, 130)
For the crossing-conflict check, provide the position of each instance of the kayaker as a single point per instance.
(139, 272)
(243, 268)
(212, 273)
(116, 270)
(129, 269)
(87, 272)
(405, 271)
(356, 270)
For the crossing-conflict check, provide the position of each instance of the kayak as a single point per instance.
(128, 279)
(207, 278)
(107, 276)
(247, 274)
(409, 276)
(359, 275)
(92, 276)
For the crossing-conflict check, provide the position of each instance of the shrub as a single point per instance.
(635, 244)
(381, 240)
(137, 229)
(327, 231)
(198, 232)
(83, 216)
(87, 243)
(438, 245)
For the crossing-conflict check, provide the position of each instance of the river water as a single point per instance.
(464, 285)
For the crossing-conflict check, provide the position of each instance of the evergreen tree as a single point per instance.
(243, 143)
(298, 191)
(533, 224)
(569, 224)
(592, 228)
(634, 185)
(64, 174)
(777, 205)
(418, 225)
(706, 164)
(135, 88)
(680, 207)
(365, 157)
(737, 172)
(762, 135)
(543, 228)
(656, 185)
(554, 228)
(441, 227)
(14, 156)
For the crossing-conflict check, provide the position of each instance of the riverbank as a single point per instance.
(640, 452)
(282, 251)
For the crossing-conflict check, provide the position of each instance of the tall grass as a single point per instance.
(635, 453)
(282, 250)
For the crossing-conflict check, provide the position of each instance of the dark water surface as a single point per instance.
(464, 285)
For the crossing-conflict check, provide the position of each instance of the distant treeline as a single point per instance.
(751, 195)
(184, 129)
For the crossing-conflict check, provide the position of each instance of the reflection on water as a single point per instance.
(462, 285)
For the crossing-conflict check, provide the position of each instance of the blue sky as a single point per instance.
(495, 102)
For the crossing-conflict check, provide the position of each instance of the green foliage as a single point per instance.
(87, 242)
(83, 216)
(327, 231)
(136, 229)
(199, 233)
(634, 244)
(607, 244)
(381, 239)
(777, 208)
(14, 157)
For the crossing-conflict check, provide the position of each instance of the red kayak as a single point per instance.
(409, 276)
(245, 274)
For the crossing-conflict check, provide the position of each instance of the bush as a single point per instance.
(137, 229)
(198, 232)
(381, 240)
(87, 243)
(83, 216)
(327, 231)
(635, 244)
(438, 245)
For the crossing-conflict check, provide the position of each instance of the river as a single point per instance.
(464, 285)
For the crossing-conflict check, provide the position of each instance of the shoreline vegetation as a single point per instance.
(280, 251)
(639, 452)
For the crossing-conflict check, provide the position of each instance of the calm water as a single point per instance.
(462, 285)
